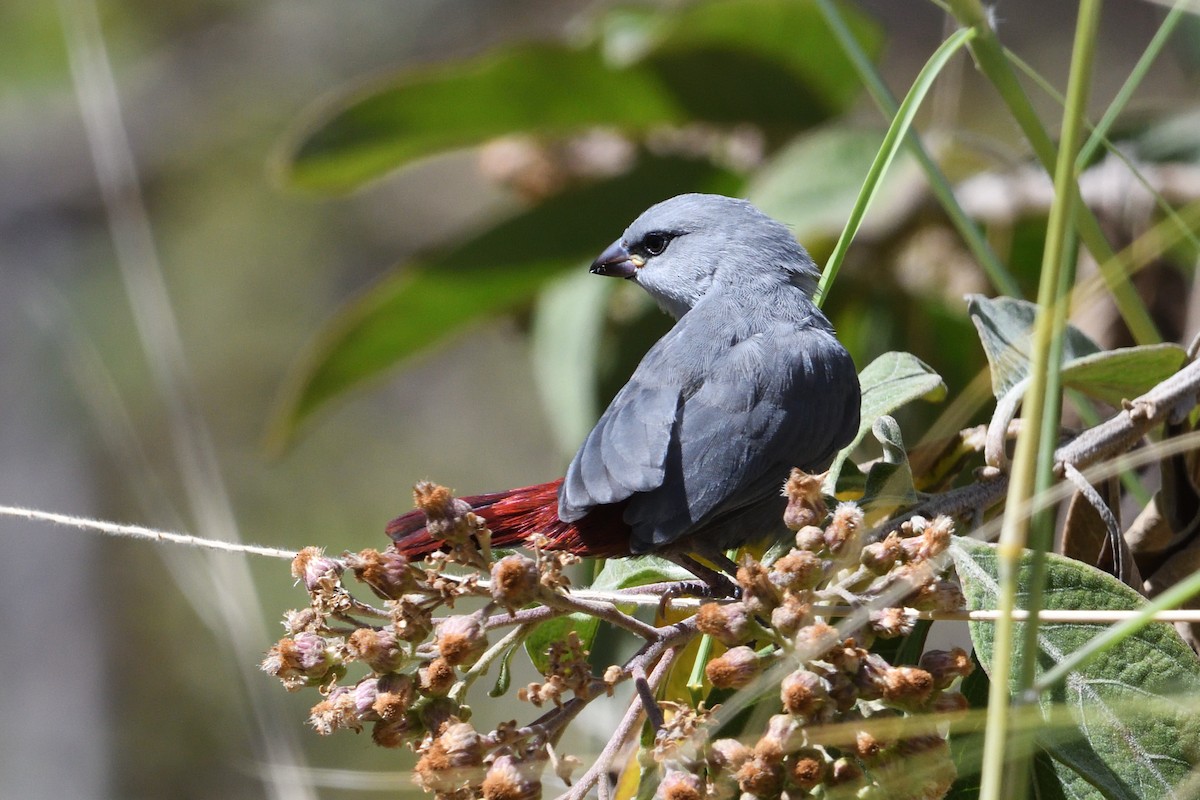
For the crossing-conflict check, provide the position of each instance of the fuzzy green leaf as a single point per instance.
(890, 381)
(1130, 728)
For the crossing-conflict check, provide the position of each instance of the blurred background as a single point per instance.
(129, 669)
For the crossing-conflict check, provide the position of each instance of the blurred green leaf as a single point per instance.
(618, 573)
(410, 310)
(813, 183)
(1005, 324)
(568, 324)
(1129, 736)
(890, 381)
(769, 62)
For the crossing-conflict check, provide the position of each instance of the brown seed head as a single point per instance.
(515, 581)
(437, 678)
(461, 639)
(797, 571)
(509, 779)
(335, 712)
(791, 615)
(805, 505)
(881, 556)
(728, 623)
(843, 536)
(379, 650)
(728, 755)
(804, 694)
(810, 538)
(760, 776)
(315, 569)
(947, 665)
(387, 573)
(807, 769)
(815, 640)
(758, 592)
(397, 732)
(679, 785)
(395, 695)
(733, 669)
(906, 687)
(891, 622)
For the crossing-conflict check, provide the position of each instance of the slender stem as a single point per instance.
(604, 611)
(891, 144)
(999, 275)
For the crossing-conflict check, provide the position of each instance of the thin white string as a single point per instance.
(650, 600)
(140, 532)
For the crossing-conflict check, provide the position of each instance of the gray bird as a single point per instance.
(690, 456)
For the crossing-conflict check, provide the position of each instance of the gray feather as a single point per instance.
(749, 383)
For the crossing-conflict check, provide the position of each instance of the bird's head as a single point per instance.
(682, 247)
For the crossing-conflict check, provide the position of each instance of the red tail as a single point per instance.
(516, 515)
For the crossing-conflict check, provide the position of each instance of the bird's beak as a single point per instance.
(616, 262)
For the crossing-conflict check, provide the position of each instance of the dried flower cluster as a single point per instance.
(832, 718)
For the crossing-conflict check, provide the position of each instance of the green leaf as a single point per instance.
(1129, 732)
(770, 62)
(618, 573)
(889, 481)
(1005, 325)
(813, 183)
(1124, 373)
(890, 381)
(411, 310)
(530, 89)
(504, 674)
(568, 322)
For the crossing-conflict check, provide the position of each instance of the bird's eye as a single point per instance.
(655, 243)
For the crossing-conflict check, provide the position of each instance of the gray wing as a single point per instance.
(694, 435)
(626, 453)
(775, 400)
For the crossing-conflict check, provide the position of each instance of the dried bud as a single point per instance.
(844, 771)
(815, 640)
(437, 677)
(939, 595)
(807, 769)
(728, 755)
(515, 581)
(304, 619)
(866, 746)
(446, 517)
(934, 538)
(760, 776)
(782, 736)
(315, 569)
(947, 665)
(843, 536)
(366, 692)
(758, 592)
(377, 649)
(734, 669)
(509, 779)
(679, 785)
(462, 745)
(395, 695)
(949, 703)
(891, 622)
(728, 623)
(461, 640)
(412, 622)
(804, 694)
(805, 505)
(387, 573)
(881, 556)
(791, 616)
(797, 571)
(397, 732)
(906, 687)
(810, 538)
(337, 711)
(304, 660)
